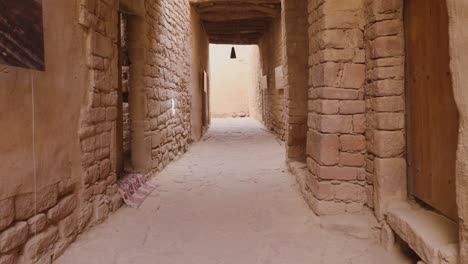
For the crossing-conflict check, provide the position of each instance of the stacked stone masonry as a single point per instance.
(274, 102)
(295, 26)
(385, 103)
(37, 227)
(336, 143)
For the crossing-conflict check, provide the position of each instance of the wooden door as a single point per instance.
(433, 116)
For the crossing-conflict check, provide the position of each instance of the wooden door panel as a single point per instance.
(433, 116)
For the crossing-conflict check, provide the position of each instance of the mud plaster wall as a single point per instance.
(39, 211)
(458, 17)
(231, 79)
(271, 56)
(76, 113)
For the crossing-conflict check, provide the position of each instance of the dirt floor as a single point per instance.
(229, 200)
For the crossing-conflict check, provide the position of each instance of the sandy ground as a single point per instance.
(229, 200)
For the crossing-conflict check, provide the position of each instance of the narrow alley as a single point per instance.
(228, 200)
(233, 131)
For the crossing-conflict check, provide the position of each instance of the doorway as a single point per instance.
(433, 116)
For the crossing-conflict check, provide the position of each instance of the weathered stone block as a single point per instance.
(350, 192)
(324, 106)
(37, 223)
(389, 121)
(68, 226)
(40, 243)
(391, 46)
(323, 148)
(333, 93)
(104, 169)
(387, 144)
(337, 173)
(388, 104)
(351, 159)
(7, 213)
(13, 237)
(352, 143)
(385, 28)
(92, 175)
(28, 204)
(100, 45)
(64, 208)
(353, 76)
(349, 107)
(8, 259)
(335, 124)
(359, 123)
(385, 88)
(322, 190)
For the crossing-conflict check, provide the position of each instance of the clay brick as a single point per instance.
(7, 213)
(323, 148)
(352, 143)
(26, 205)
(38, 244)
(335, 124)
(13, 237)
(64, 208)
(37, 223)
(348, 107)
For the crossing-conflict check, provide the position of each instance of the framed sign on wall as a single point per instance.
(22, 34)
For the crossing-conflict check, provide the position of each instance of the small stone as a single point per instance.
(37, 223)
(29, 204)
(64, 208)
(7, 259)
(7, 213)
(13, 237)
(40, 243)
(68, 226)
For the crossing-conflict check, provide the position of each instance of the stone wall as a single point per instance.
(271, 57)
(67, 180)
(336, 144)
(385, 100)
(166, 80)
(296, 76)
